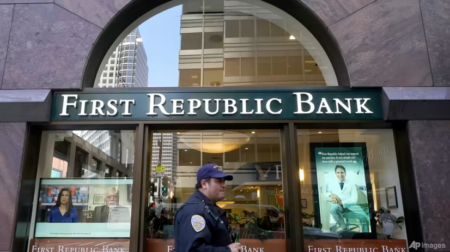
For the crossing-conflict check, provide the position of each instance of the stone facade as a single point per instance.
(430, 145)
(384, 43)
(44, 44)
(12, 142)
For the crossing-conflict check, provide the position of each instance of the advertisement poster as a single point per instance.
(343, 182)
(83, 208)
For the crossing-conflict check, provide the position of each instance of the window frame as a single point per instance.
(289, 158)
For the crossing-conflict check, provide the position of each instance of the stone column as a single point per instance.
(12, 139)
(430, 151)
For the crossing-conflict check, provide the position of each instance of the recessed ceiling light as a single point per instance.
(246, 148)
(185, 150)
(320, 132)
(253, 132)
(292, 37)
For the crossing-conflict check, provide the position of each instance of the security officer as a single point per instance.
(200, 225)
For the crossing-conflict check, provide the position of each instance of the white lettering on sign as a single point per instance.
(127, 106)
(97, 107)
(194, 104)
(305, 103)
(249, 249)
(159, 105)
(347, 108)
(324, 104)
(269, 109)
(83, 108)
(207, 106)
(62, 248)
(244, 108)
(361, 104)
(112, 104)
(177, 104)
(312, 249)
(278, 171)
(259, 107)
(38, 249)
(346, 249)
(66, 104)
(230, 103)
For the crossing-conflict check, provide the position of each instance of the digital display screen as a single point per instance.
(84, 208)
(342, 179)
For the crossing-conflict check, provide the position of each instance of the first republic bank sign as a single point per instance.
(217, 104)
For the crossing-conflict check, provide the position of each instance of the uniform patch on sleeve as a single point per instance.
(198, 223)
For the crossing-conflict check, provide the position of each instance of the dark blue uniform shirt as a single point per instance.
(54, 215)
(214, 237)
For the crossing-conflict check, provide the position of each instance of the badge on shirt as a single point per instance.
(198, 223)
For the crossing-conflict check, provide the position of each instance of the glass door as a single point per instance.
(254, 198)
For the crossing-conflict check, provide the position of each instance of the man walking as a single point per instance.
(200, 225)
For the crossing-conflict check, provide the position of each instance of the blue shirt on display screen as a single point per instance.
(55, 215)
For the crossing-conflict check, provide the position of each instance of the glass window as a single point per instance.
(248, 28)
(76, 198)
(253, 201)
(232, 67)
(264, 66)
(203, 34)
(350, 187)
(190, 77)
(213, 76)
(192, 7)
(295, 65)
(263, 28)
(276, 30)
(279, 65)
(213, 40)
(232, 28)
(191, 41)
(248, 66)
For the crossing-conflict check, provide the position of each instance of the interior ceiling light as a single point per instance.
(292, 37)
(214, 141)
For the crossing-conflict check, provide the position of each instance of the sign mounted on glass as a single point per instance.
(343, 180)
(223, 104)
(95, 208)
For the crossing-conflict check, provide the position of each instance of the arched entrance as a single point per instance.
(262, 44)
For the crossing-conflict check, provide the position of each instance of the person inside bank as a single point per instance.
(343, 195)
(63, 211)
(111, 211)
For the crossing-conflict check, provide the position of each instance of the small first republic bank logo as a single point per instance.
(416, 245)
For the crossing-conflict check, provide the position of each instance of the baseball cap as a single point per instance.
(212, 171)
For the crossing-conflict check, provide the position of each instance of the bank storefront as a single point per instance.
(285, 148)
(241, 84)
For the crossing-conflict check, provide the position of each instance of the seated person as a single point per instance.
(111, 211)
(344, 197)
